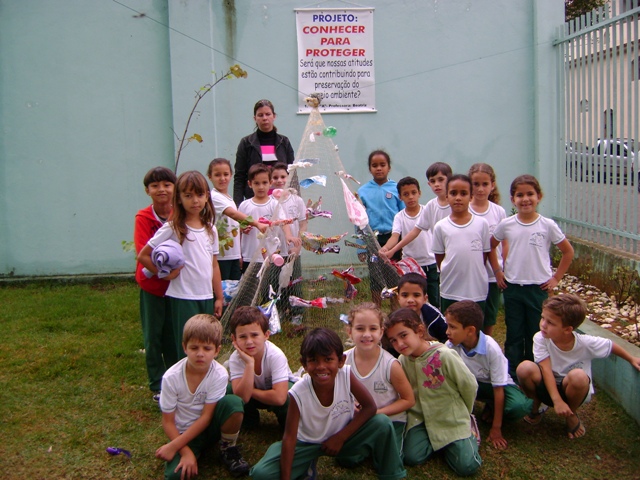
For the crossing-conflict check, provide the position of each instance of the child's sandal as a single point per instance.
(534, 418)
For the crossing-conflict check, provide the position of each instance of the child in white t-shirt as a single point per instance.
(195, 287)
(258, 369)
(261, 205)
(561, 374)
(195, 409)
(485, 203)
(461, 244)
(435, 210)
(420, 248)
(220, 174)
(292, 207)
(527, 278)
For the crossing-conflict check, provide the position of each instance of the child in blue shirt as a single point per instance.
(380, 198)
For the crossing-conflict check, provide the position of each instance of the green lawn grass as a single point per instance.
(73, 383)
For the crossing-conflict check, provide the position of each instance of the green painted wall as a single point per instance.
(85, 109)
(89, 95)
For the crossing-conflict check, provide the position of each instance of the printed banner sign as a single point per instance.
(335, 58)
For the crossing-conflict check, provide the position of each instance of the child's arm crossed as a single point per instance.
(333, 445)
(144, 257)
(179, 442)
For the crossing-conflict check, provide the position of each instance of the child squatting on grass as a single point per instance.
(377, 369)
(484, 358)
(323, 420)
(258, 369)
(195, 410)
(444, 389)
(561, 374)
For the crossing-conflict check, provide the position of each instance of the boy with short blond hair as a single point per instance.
(195, 410)
(561, 374)
(484, 358)
(259, 371)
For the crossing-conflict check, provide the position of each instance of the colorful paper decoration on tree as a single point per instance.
(317, 243)
(321, 302)
(314, 209)
(317, 179)
(330, 132)
(355, 210)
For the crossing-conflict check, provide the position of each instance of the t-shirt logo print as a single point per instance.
(380, 387)
(432, 370)
(537, 239)
(476, 245)
(340, 408)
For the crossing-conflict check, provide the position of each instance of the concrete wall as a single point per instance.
(85, 111)
(89, 95)
(616, 376)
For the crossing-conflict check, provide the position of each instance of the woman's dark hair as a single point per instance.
(263, 103)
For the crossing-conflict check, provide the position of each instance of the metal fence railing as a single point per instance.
(599, 65)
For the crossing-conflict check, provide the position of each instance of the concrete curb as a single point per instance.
(615, 375)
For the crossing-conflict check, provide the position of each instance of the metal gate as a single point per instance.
(599, 80)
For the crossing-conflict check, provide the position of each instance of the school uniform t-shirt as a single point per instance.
(585, 348)
(275, 368)
(291, 207)
(486, 361)
(176, 396)
(463, 275)
(432, 213)
(249, 242)
(317, 422)
(195, 279)
(420, 248)
(528, 261)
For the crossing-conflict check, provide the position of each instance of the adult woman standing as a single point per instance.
(264, 145)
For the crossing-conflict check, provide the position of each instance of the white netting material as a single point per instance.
(329, 245)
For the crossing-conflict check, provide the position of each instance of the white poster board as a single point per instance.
(335, 58)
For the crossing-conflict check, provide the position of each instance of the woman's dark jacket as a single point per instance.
(249, 153)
